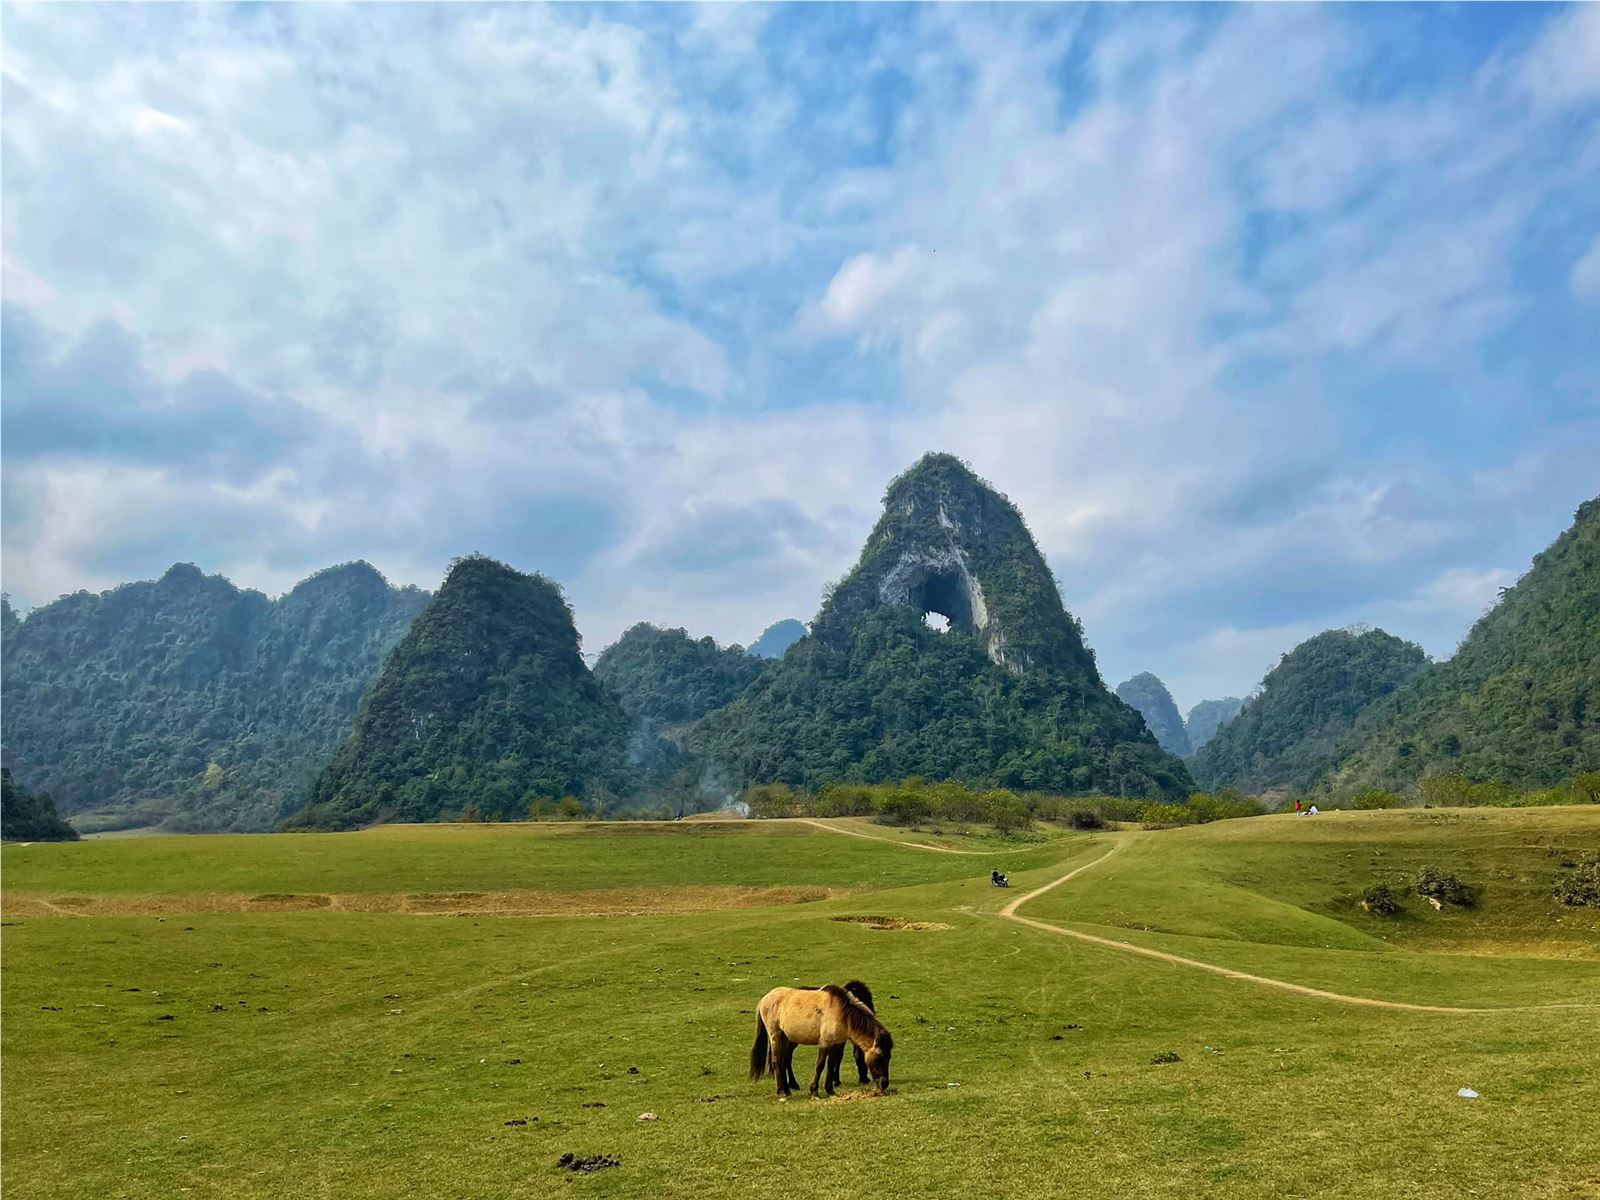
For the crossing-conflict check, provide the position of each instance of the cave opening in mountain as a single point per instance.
(944, 603)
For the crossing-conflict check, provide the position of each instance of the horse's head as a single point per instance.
(878, 1059)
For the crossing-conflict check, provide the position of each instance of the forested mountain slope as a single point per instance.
(1149, 697)
(484, 708)
(1518, 703)
(1291, 733)
(188, 701)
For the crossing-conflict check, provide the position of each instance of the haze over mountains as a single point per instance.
(190, 703)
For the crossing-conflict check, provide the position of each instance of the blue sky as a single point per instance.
(1270, 318)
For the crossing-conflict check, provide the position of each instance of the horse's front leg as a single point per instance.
(823, 1051)
(835, 1060)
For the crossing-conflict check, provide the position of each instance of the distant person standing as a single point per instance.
(1298, 810)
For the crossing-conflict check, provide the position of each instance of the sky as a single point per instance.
(1270, 319)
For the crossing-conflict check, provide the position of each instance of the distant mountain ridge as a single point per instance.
(667, 677)
(188, 701)
(1149, 697)
(776, 639)
(1207, 717)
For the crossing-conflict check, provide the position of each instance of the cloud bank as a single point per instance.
(1269, 318)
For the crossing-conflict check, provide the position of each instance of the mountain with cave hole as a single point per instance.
(945, 653)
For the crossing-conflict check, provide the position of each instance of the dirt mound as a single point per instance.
(899, 923)
(592, 1162)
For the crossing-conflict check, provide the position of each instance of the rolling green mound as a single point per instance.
(1007, 694)
(1290, 733)
(484, 706)
(1518, 703)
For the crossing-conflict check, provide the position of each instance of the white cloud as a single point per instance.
(1586, 274)
(558, 282)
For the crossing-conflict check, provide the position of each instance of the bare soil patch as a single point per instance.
(612, 902)
(896, 923)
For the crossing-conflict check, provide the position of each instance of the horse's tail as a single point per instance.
(758, 1052)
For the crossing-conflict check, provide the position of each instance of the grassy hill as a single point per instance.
(316, 1036)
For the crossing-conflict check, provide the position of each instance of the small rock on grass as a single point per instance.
(648, 1117)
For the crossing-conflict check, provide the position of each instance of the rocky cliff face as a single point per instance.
(1007, 694)
(1147, 695)
(947, 544)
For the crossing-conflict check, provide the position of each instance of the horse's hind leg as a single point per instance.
(782, 1056)
(788, 1067)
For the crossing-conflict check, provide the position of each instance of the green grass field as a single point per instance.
(355, 1015)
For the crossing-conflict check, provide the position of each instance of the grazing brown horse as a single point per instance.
(826, 1018)
(860, 991)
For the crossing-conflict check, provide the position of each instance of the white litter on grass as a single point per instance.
(1467, 1094)
(951, 1085)
(648, 1117)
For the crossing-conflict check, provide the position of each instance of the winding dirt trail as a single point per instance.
(1009, 913)
(872, 837)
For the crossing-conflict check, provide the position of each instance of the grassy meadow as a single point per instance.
(361, 1015)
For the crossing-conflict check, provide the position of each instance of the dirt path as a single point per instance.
(1009, 913)
(872, 837)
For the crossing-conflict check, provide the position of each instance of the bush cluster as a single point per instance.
(914, 801)
(1579, 886)
(1447, 889)
(1380, 899)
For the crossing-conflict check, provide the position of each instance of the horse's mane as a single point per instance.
(857, 1017)
(861, 992)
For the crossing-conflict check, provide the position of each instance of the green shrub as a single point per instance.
(1222, 806)
(773, 800)
(1447, 889)
(1586, 788)
(1374, 798)
(1380, 899)
(1085, 818)
(1163, 816)
(1579, 887)
(1006, 811)
(901, 807)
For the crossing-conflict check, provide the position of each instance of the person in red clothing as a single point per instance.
(1297, 809)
